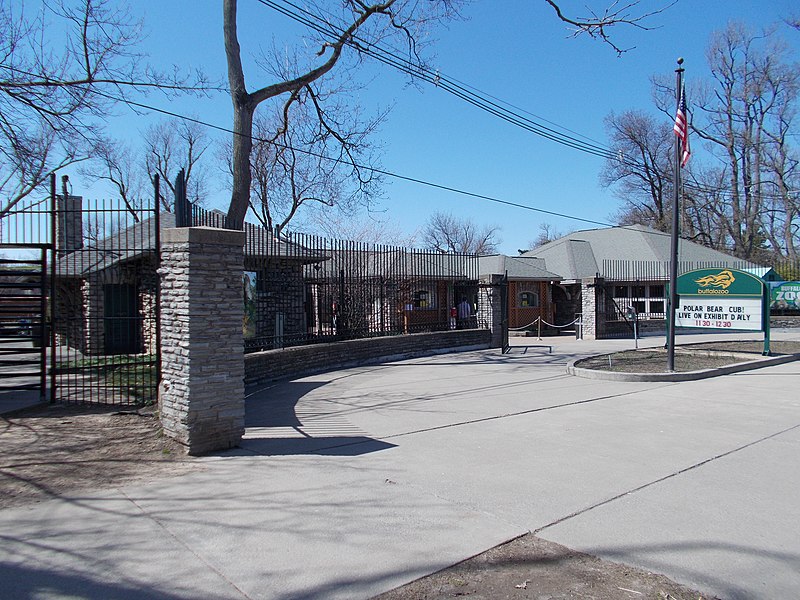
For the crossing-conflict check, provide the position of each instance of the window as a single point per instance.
(620, 291)
(656, 291)
(637, 291)
(528, 300)
(424, 299)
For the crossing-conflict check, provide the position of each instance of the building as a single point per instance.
(530, 288)
(607, 273)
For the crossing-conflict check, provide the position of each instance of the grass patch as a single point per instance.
(134, 375)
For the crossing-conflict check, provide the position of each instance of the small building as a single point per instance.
(606, 273)
(530, 288)
(106, 289)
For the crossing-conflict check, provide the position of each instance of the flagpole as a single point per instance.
(673, 267)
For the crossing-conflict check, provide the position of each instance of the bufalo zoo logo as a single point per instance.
(715, 284)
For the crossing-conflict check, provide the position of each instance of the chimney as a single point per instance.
(69, 226)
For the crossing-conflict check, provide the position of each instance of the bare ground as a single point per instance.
(59, 450)
(532, 568)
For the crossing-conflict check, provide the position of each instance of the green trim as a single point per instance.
(720, 283)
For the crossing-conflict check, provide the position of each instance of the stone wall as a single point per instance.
(780, 321)
(201, 396)
(270, 365)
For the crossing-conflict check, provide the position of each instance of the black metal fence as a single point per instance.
(105, 343)
(83, 294)
(304, 289)
(25, 247)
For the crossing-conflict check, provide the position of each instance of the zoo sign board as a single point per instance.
(785, 295)
(720, 299)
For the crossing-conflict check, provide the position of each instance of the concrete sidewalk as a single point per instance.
(354, 482)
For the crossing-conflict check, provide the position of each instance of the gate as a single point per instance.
(105, 298)
(79, 299)
(23, 319)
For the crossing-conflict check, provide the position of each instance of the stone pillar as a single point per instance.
(490, 309)
(201, 396)
(591, 303)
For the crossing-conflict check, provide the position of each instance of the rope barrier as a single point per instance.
(524, 326)
(543, 322)
(560, 326)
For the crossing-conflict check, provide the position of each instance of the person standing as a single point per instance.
(464, 310)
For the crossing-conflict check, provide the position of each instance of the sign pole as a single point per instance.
(673, 267)
(765, 310)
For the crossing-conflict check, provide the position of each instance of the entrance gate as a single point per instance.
(79, 300)
(23, 319)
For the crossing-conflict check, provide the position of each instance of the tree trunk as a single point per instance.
(242, 147)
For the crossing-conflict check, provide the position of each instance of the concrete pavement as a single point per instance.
(354, 482)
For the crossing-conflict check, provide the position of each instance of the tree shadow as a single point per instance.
(23, 582)
(274, 428)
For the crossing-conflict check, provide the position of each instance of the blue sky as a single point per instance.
(515, 50)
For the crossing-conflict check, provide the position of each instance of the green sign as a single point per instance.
(723, 299)
(785, 296)
(720, 283)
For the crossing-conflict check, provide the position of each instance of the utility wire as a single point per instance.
(436, 78)
(477, 98)
(359, 166)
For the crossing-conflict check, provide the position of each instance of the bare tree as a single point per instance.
(358, 28)
(445, 232)
(598, 24)
(115, 163)
(746, 114)
(370, 21)
(291, 166)
(744, 199)
(547, 233)
(170, 146)
(55, 91)
(640, 170)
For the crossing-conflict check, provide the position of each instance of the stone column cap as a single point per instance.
(202, 235)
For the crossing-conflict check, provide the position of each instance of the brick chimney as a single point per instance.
(69, 221)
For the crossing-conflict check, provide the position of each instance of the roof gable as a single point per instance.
(583, 254)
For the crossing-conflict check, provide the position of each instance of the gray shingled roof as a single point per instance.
(517, 267)
(139, 239)
(586, 253)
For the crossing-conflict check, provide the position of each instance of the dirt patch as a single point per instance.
(530, 567)
(691, 357)
(55, 450)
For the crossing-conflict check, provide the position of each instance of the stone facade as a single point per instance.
(592, 299)
(81, 308)
(201, 396)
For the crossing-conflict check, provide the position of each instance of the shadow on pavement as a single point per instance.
(274, 428)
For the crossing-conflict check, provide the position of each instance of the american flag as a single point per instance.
(681, 128)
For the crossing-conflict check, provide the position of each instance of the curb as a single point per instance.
(686, 376)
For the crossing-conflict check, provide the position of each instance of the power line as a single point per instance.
(391, 58)
(477, 98)
(359, 166)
